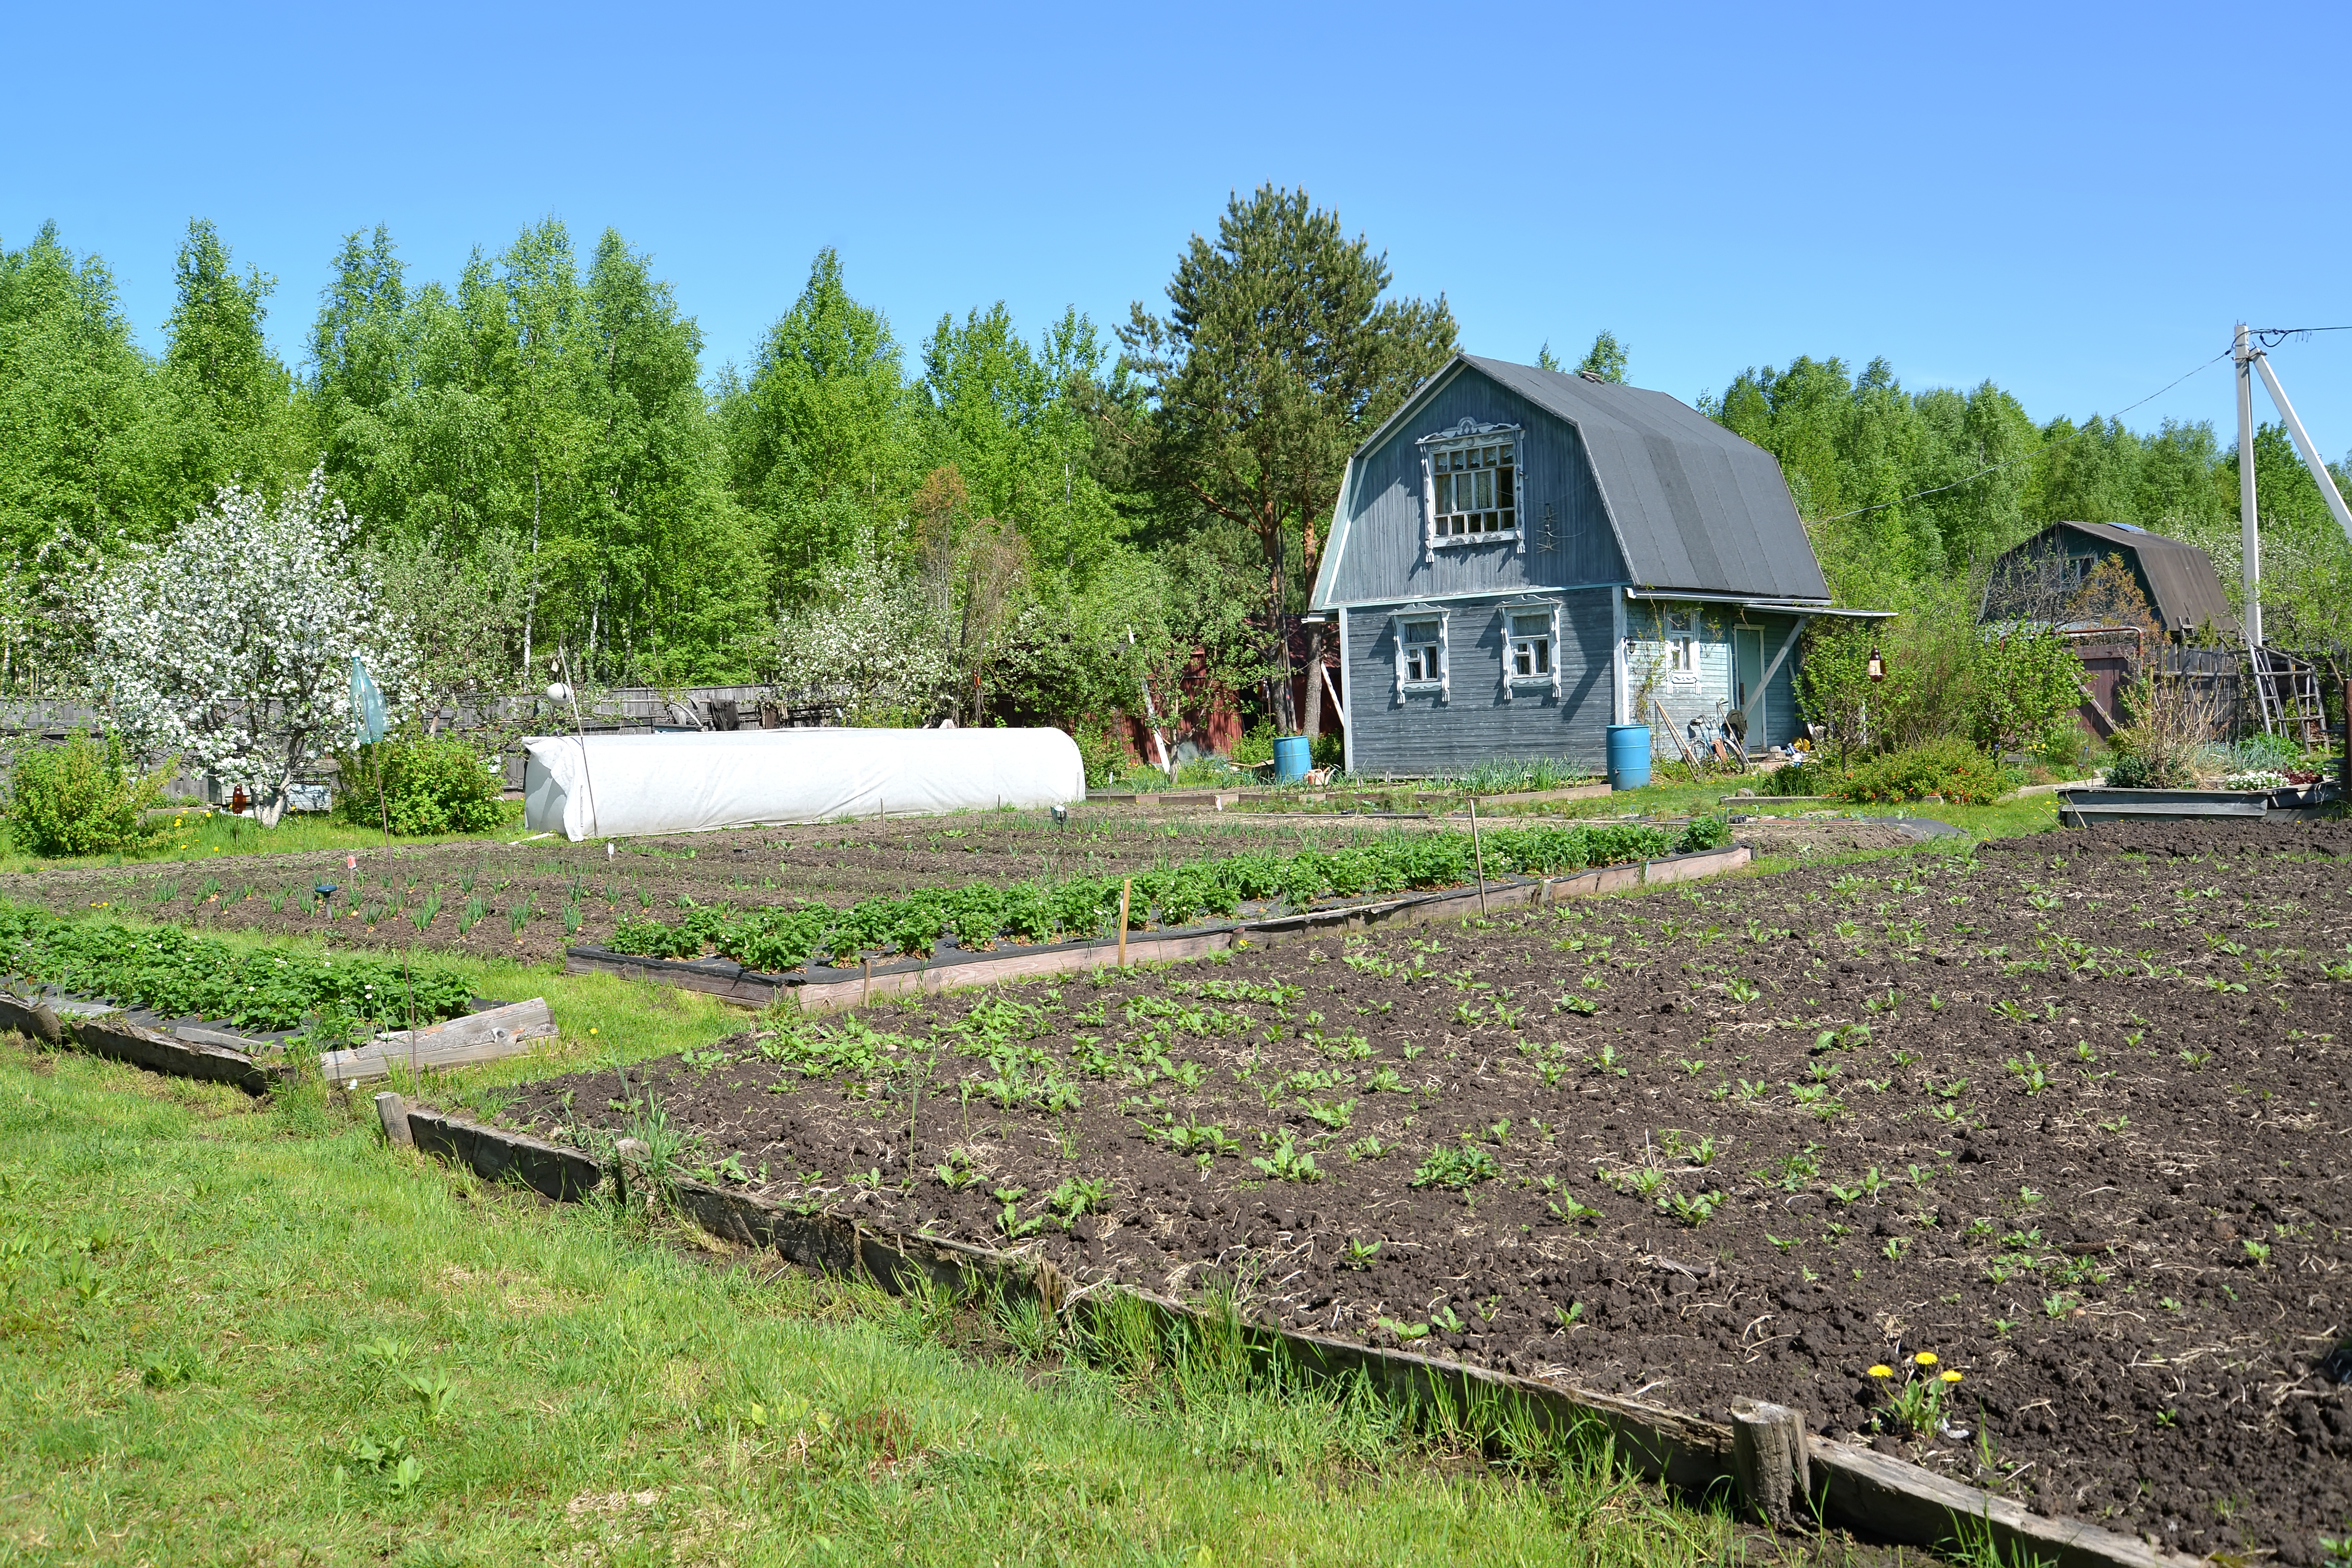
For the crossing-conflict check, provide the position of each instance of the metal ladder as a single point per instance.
(2288, 690)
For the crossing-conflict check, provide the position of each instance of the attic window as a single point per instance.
(1470, 476)
(1475, 491)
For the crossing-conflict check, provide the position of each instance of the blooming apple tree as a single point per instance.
(231, 643)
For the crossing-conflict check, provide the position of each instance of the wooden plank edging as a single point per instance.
(112, 1034)
(1854, 1487)
(487, 1036)
(730, 980)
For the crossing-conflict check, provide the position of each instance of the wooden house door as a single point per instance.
(1747, 676)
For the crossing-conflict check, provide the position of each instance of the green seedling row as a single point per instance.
(1082, 908)
(178, 974)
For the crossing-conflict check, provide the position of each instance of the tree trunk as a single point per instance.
(531, 604)
(1313, 725)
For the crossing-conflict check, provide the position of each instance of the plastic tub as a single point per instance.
(1629, 756)
(1293, 756)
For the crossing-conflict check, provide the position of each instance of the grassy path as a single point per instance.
(242, 1333)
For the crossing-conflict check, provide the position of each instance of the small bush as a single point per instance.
(81, 798)
(1704, 833)
(420, 787)
(2142, 761)
(1815, 777)
(1102, 752)
(1950, 768)
(1255, 747)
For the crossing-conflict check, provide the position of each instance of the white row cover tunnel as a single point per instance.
(619, 786)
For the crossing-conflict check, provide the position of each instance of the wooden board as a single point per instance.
(460, 1042)
(116, 1037)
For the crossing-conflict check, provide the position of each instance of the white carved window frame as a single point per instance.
(1514, 682)
(1423, 614)
(1470, 433)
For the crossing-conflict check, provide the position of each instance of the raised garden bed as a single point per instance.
(826, 988)
(1765, 1459)
(528, 901)
(2062, 1113)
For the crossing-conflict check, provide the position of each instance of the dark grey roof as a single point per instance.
(2180, 577)
(1694, 505)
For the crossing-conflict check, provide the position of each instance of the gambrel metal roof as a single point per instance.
(1693, 505)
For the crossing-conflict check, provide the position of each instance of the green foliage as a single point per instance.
(175, 973)
(81, 798)
(420, 786)
(1085, 908)
(2141, 758)
(1950, 768)
(1277, 353)
(1703, 833)
(2024, 690)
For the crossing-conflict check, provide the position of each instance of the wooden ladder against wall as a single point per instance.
(2288, 688)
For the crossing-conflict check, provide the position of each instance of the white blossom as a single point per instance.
(230, 644)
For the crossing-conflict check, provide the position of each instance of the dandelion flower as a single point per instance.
(1951, 1377)
(1924, 1358)
(592, 1031)
(1882, 1371)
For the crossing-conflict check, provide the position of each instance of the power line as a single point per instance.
(2029, 457)
(2274, 336)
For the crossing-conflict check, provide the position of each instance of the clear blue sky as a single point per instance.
(2074, 201)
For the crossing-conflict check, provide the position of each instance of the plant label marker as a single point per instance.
(1479, 857)
(1126, 892)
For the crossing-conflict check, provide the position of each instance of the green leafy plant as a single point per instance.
(418, 786)
(1459, 1166)
(83, 798)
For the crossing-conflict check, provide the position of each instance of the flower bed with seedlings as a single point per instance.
(171, 974)
(531, 900)
(2059, 1113)
(1036, 912)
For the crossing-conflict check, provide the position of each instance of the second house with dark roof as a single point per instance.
(1520, 558)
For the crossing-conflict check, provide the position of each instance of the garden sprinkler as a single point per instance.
(326, 891)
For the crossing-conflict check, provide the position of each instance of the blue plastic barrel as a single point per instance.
(1629, 756)
(1292, 757)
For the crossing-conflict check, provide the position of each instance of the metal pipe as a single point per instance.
(2319, 474)
(2250, 541)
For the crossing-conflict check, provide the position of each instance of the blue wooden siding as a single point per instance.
(1417, 735)
(1568, 535)
(1704, 693)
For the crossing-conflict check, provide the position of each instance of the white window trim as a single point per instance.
(1513, 681)
(1470, 433)
(1443, 685)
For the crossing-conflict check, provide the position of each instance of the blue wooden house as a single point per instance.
(1520, 558)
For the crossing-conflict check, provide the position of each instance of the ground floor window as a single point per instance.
(1424, 652)
(1531, 645)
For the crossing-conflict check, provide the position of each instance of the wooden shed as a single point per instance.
(1521, 557)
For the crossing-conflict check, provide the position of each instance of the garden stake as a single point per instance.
(1479, 857)
(1125, 889)
(384, 812)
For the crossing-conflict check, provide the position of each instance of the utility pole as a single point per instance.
(2251, 544)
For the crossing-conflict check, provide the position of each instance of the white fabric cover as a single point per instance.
(636, 785)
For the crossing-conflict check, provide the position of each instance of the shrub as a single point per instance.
(81, 798)
(1102, 752)
(1704, 833)
(1255, 747)
(420, 787)
(2142, 760)
(1950, 768)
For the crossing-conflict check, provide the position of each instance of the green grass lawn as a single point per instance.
(240, 1332)
(196, 833)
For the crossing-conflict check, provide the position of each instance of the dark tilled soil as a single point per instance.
(2067, 1114)
(835, 863)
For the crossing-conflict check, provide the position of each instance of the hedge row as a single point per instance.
(178, 974)
(779, 940)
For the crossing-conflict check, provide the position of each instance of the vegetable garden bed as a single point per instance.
(2066, 1115)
